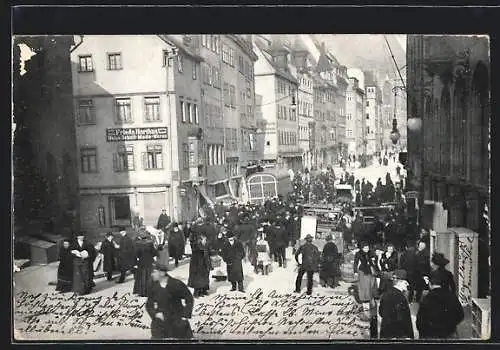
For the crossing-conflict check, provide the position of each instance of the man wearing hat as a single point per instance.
(163, 221)
(440, 311)
(423, 268)
(438, 263)
(170, 305)
(126, 255)
(309, 263)
(329, 262)
(233, 254)
(395, 310)
(109, 252)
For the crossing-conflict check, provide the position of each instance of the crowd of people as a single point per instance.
(387, 265)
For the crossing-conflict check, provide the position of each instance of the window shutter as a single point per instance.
(144, 160)
(159, 158)
(115, 162)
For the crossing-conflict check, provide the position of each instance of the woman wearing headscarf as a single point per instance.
(199, 266)
(146, 254)
(438, 263)
(364, 271)
(65, 269)
(329, 261)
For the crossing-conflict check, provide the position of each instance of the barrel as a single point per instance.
(347, 272)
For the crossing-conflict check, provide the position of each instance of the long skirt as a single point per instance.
(64, 285)
(142, 279)
(81, 277)
(366, 285)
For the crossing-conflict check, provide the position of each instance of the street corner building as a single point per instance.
(448, 90)
(160, 123)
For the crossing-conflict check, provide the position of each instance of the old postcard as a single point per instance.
(251, 187)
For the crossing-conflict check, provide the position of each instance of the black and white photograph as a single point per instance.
(251, 187)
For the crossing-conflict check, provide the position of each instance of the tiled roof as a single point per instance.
(187, 50)
(278, 70)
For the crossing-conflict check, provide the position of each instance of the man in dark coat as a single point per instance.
(109, 252)
(395, 310)
(163, 221)
(423, 269)
(310, 264)
(176, 244)
(408, 262)
(329, 263)
(280, 241)
(440, 311)
(169, 318)
(83, 265)
(233, 253)
(126, 255)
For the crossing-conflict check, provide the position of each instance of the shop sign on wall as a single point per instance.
(136, 134)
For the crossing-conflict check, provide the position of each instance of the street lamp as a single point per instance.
(395, 135)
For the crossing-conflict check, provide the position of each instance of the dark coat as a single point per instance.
(439, 314)
(199, 267)
(168, 301)
(364, 262)
(126, 253)
(110, 255)
(145, 257)
(176, 244)
(423, 267)
(83, 269)
(163, 222)
(448, 280)
(280, 237)
(310, 257)
(65, 270)
(408, 262)
(396, 316)
(389, 263)
(233, 255)
(329, 261)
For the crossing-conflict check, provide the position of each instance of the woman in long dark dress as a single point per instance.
(364, 269)
(176, 244)
(83, 257)
(145, 258)
(389, 263)
(329, 260)
(65, 269)
(199, 267)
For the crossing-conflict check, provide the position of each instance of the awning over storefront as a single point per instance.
(217, 182)
(203, 193)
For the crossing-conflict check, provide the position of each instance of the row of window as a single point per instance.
(285, 113)
(284, 88)
(231, 139)
(305, 108)
(229, 95)
(213, 115)
(86, 113)
(114, 62)
(287, 138)
(189, 112)
(123, 111)
(323, 97)
(211, 42)
(211, 75)
(215, 154)
(306, 83)
(248, 140)
(123, 159)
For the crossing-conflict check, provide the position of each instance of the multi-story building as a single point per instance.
(139, 144)
(340, 109)
(320, 112)
(238, 61)
(373, 105)
(394, 106)
(278, 87)
(301, 59)
(44, 149)
(355, 125)
(448, 155)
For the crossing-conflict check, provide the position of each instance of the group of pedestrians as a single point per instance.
(399, 280)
